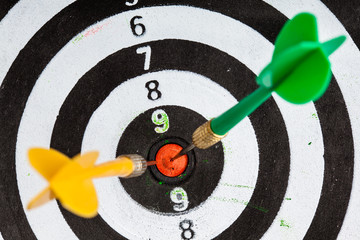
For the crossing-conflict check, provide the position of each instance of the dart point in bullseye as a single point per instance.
(165, 163)
(299, 72)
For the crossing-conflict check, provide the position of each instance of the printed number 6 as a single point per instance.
(135, 26)
(159, 117)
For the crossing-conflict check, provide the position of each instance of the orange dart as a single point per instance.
(70, 180)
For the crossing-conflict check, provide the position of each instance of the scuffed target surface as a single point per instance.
(74, 75)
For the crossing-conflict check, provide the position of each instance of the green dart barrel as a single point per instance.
(299, 71)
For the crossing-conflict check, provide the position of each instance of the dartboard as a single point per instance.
(131, 76)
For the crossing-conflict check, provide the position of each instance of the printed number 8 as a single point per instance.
(152, 86)
(187, 232)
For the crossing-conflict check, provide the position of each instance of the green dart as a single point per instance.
(299, 72)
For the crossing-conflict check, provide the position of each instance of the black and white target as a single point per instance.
(100, 75)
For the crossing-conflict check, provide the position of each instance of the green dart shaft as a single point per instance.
(222, 124)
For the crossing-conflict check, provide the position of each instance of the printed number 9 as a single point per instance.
(179, 196)
(159, 117)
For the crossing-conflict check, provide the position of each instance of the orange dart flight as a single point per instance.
(70, 180)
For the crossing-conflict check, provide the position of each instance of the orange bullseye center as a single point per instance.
(165, 165)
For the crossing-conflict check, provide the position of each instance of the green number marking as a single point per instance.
(160, 118)
(179, 196)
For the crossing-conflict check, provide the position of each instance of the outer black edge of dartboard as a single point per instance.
(348, 12)
(36, 55)
(209, 62)
(5, 6)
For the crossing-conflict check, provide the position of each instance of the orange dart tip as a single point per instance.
(150, 163)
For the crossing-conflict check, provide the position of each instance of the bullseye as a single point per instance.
(164, 163)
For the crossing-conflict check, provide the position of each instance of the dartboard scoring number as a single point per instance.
(187, 232)
(138, 29)
(147, 51)
(154, 93)
(160, 118)
(179, 196)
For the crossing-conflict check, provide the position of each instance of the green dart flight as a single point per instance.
(299, 72)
